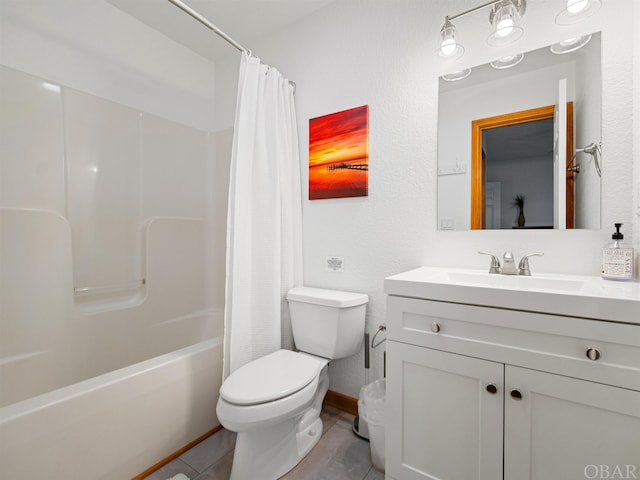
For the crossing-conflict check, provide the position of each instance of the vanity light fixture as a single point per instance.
(577, 10)
(507, 62)
(504, 16)
(570, 45)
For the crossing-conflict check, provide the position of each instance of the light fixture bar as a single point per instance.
(474, 9)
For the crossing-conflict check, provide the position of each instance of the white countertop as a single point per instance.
(572, 295)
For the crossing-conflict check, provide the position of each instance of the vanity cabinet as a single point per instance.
(478, 392)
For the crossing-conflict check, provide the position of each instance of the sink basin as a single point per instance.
(539, 282)
(582, 296)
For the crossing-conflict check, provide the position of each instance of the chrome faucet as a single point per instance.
(523, 266)
(508, 264)
(495, 263)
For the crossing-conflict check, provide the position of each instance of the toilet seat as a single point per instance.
(239, 417)
(272, 377)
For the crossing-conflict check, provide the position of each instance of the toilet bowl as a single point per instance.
(275, 434)
(276, 386)
(274, 402)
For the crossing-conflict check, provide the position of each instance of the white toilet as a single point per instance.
(274, 402)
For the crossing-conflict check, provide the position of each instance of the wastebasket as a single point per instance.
(371, 404)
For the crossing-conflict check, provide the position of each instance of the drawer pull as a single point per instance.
(592, 354)
(435, 327)
(516, 394)
(491, 388)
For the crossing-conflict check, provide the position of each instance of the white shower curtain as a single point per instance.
(264, 231)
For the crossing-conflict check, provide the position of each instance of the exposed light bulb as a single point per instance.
(505, 19)
(448, 46)
(505, 27)
(576, 6)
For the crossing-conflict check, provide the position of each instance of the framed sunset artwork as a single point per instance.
(339, 154)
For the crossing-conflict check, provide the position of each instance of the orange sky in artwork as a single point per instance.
(339, 137)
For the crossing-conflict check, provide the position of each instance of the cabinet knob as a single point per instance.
(435, 327)
(491, 388)
(516, 394)
(592, 354)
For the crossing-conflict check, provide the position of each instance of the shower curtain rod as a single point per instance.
(191, 12)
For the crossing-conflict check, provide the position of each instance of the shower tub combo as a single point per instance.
(110, 279)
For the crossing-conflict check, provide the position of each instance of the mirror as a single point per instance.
(505, 159)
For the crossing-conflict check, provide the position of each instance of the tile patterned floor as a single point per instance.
(340, 455)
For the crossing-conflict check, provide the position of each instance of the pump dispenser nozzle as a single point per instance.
(617, 235)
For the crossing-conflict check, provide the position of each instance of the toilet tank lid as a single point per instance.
(331, 298)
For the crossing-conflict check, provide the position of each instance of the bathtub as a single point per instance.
(103, 387)
(117, 424)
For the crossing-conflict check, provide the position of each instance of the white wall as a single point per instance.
(381, 53)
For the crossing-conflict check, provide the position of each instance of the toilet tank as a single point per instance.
(327, 323)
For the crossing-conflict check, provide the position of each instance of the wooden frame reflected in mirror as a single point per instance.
(478, 208)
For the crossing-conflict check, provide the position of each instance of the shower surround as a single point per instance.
(107, 281)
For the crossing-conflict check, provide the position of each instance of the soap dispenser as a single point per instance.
(617, 258)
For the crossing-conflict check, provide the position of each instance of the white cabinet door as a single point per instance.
(565, 428)
(442, 422)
